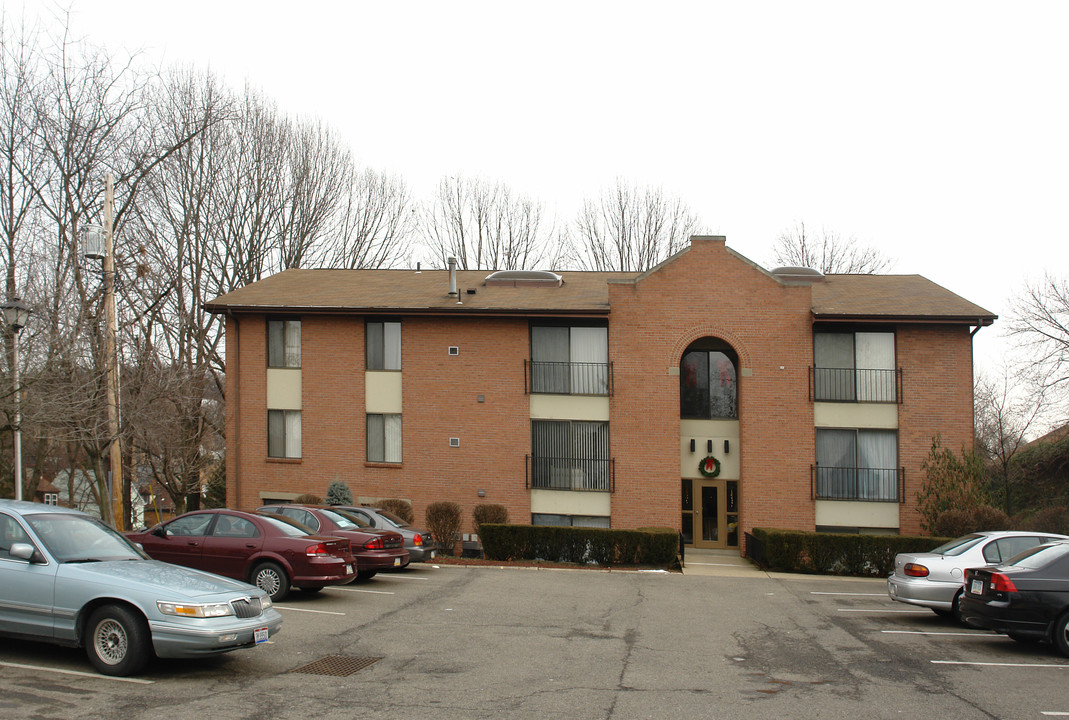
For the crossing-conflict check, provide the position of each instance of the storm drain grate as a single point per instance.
(337, 665)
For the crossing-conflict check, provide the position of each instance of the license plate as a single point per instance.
(432, 554)
(977, 587)
(397, 562)
(348, 569)
(260, 635)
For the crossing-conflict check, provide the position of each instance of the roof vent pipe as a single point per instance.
(452, 275)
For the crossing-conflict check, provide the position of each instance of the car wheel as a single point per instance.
(955, 609)
(117, 640)
(272, 579)
(1061, 633)
(365, 574)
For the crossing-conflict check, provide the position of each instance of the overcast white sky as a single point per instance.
(935, 131)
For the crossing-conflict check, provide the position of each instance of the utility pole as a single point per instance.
(112, 357)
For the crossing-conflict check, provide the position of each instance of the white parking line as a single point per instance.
(1064, 666)
(318, 612)
(854, 594)
(1055, 714)
(900, 612)
(372, 592)
(955, 634)
(401, 577)
(40, 668)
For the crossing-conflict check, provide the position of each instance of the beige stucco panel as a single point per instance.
(565, 502)
(702, 431)
(382, 392)
(570, 407)
(845, 513)
(283, 389)
(856, 415)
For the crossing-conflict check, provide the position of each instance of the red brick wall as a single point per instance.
(709, 291)
(937, 382)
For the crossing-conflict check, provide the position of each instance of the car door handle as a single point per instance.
(250, 546)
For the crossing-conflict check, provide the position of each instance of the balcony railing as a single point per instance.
(568, 378)
(549, 473)
(850, 483)
(853, 385)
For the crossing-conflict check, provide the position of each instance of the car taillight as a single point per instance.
(316, 550)
(915, 570)
(1001, 583)
(418, 540)
(373, 544)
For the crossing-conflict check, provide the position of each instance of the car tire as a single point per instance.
(1061, 634)
(955, 609)
(365, 574)
(271, 578)
(117, 640)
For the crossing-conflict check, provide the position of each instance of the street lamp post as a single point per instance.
(16, 315)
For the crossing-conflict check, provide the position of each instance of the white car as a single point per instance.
(936, 579)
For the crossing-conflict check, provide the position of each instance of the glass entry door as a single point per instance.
(711, 513)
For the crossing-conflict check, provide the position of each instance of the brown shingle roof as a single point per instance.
(893, 297)
(839, 297)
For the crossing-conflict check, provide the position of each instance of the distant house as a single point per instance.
(707, 394)
(46, 493)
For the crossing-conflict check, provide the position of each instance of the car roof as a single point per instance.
(23, 507)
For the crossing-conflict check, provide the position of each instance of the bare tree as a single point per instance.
(629, 228)
(1039, 322)
(485, 226)
(1005, 414)
(374, 225)
(828, 252)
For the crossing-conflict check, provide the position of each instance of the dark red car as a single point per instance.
(267, 551)
(375, 550)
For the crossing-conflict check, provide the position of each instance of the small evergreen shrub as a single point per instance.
(338, 493)
(600, 546)
(400, 508)
(488, 513)
(443, 522)
(832, 553)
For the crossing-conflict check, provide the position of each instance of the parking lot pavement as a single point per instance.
(460, 642)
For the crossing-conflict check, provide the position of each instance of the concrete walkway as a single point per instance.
(722, 563)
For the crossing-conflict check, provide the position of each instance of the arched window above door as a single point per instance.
(708, 381)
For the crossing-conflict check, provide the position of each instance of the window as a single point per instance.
(384, 438)
(383, 345)
(189, 525)
(284, 433)
(51, 498)
(854, 367)
(284, 343)
(570, 360)
(593, 521)
(231, 526)
(708, 385)
(570, 455)
(857, 464)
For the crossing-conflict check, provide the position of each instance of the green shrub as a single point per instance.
(443, 522)
(488, 513)
(833, 553)
(600, 546)
(400, 508)
(338, 493)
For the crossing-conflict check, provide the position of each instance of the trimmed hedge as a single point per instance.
(833, 553)
(600, 546)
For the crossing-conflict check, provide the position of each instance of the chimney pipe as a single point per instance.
(452, 275)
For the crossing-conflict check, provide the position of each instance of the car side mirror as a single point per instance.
(158, 531)
(24, 551)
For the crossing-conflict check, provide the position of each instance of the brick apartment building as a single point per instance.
(706, 394)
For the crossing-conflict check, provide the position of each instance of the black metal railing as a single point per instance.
(853, 385)
(568, 378)
(584, 474)
(851, 483)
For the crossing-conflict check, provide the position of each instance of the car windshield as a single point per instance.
(342, 520)
(1039, 556)
(394, 520)
(77, 538)
(286, 526)
(958, 546)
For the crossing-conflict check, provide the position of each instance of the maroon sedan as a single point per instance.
(269, 552)
(375, 550)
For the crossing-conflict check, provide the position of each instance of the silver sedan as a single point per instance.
(936, 579)
(69, 579)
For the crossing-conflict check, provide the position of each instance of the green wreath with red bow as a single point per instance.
(709, 467)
